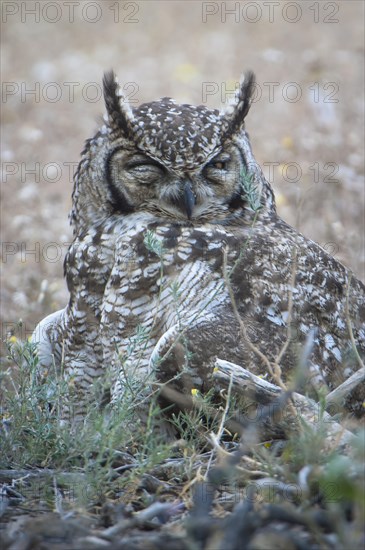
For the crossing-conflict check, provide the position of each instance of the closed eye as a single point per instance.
(144, 169)
(135, 163)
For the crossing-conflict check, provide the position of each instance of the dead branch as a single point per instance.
(262, 392)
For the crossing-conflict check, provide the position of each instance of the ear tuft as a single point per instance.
(235, 115)
(120, 115)
(247, 86)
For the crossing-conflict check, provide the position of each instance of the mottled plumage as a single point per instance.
(173, 219)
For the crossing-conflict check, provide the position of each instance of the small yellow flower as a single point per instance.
(194, 392)
(13, 339)
(267, 444)
(287, 142)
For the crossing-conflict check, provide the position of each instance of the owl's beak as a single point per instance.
(189, 199)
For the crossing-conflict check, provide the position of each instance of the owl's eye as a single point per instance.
(218, 165)
(217, 170)
(146, 170)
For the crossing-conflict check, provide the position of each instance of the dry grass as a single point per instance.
(112, 482)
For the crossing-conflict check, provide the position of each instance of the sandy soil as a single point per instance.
(306, 125)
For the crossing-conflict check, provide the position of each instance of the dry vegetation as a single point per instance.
(107, 487)
(282, 473)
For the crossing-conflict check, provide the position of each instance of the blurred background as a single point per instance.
(306, 124)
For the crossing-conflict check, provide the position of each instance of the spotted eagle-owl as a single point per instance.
(177, 246)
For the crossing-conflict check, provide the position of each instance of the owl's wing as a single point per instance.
(284, 280)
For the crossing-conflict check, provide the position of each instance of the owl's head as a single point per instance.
(181, 163)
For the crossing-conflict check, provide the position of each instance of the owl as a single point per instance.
(179, 257)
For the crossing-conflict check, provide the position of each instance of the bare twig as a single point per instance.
(275, 370)
(252, 346)
(217, 437)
